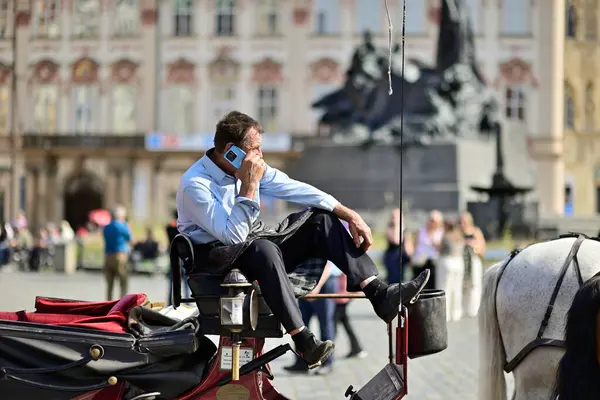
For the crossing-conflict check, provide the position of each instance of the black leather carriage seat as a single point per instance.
(168, 362)
(206, 291)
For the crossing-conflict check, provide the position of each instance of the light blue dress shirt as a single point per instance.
(209, 207)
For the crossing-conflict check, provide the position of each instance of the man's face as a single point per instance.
(253, 143)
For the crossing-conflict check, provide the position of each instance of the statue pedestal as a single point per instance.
(437, 176)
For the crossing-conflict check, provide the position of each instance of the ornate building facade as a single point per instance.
(82, 82)
(581, 119)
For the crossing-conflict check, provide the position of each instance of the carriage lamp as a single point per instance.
(238, 311)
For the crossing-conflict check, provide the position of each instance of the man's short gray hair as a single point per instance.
(119, 212)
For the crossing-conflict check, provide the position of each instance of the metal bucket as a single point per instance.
(427, 327)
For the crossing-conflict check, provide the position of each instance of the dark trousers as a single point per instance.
(341, 316)
(324, 309)
(322, 236)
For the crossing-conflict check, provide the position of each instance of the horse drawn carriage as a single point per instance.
(126, 350)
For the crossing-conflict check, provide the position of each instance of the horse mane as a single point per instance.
(578, 375)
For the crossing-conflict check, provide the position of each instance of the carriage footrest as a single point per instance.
(388, 384)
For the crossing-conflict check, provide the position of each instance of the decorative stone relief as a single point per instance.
(149, 16)
(517, 71)
(267, 71)
(123, 71)
(46, 71)
(301, 15)
(22, 19)
(84, 71)
(181, 71)
(223, 68)
(325, 70)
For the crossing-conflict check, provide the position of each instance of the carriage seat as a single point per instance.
(205, 285)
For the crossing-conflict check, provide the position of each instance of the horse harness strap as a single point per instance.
(540, 340)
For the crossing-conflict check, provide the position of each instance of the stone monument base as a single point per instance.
(436, 176)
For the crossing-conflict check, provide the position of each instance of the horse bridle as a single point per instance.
(540, 341)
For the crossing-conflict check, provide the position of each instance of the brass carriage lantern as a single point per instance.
(238, 312)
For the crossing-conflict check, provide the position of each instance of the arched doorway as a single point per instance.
(83, 193)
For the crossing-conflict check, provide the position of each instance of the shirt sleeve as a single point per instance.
(277, 184)
(126, 232)
(209, 214)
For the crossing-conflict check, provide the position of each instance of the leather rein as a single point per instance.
(540, 340)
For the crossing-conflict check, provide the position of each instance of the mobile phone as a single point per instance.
(235, 156)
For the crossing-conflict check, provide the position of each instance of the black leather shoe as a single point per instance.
(317, 353)
(386, 304)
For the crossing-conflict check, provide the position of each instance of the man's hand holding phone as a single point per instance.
(250, 173)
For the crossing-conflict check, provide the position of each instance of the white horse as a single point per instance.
(515, 299)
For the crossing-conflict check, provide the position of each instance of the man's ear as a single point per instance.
(227, 147)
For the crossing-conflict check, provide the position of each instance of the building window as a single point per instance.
(124, 110)
(225, 23)
(591, 20)
(568, 210)
(126, 18)
(589, 107)
(84, 102)
(569, 108)
(416, 17)
(267, 17)
(326, 17)
(4, 110)
(180, 109)
(184, 12)
(571, 15)
(368, 16)
(223, 100)
(268, 107)
(516, 17)
(46, 21)
(515, 103)
(4, 12)
(45, 108)
(86, 18)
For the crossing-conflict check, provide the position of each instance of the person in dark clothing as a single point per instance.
(397, 252)
(148, 249)
(4, 244)
(172, 231)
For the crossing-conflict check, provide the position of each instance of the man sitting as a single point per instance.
(218, 208)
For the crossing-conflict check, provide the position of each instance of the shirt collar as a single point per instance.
(213, 169)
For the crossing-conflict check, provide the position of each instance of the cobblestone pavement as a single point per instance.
(449, 375)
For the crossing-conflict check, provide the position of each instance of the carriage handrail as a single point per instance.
(334, 296)
(308, 296)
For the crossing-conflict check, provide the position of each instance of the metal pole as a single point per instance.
(13, 119)
(334, 296)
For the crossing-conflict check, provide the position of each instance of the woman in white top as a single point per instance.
(474, 251)
(427, 246)
(451, 269)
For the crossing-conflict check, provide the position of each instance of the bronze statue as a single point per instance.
(450, 100)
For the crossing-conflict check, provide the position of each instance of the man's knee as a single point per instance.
(323, 217)
(264, 252)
